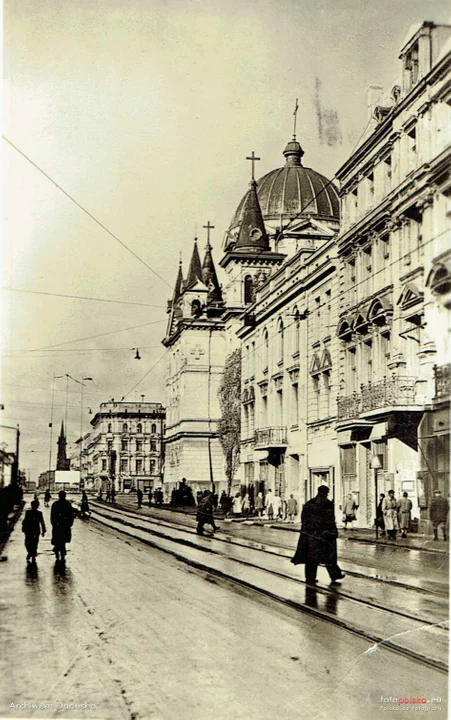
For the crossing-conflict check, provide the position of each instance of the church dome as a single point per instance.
(287, 190)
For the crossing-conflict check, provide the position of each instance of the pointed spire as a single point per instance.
(195, 269)
(178, 283)
(62, 435)
(209, 276)
(252, 233)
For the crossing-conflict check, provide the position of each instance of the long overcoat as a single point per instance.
(318, 539)
(62, 518)
(390, 510)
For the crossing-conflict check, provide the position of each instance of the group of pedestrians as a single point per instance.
(61, 519)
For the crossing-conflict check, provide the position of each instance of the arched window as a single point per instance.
(280, 341)
(110, 427)
(248, 290)
(196, 308)
(125, 427)
(154, 428)
(139, 428)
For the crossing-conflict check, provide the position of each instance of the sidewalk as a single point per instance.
(363, 535)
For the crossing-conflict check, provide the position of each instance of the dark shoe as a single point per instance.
(338, 577)
(311, 582)
(404, 535)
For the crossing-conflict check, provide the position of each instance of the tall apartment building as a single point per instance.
(395, 230)
(124, 450)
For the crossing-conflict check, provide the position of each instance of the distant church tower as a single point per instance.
(62, 462)
(196, 343)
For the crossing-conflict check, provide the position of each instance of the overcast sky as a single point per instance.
(144, 111)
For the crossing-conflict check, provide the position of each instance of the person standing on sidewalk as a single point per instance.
(389, 508)
(439, 514)
(269, 508)
(47, 497)
(139, 497)
(292, 508)
(404, 509)
(277, 507)
(33, 526)
(349, 511)
(317, 543)
(380, 515)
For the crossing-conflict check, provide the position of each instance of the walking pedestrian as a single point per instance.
(380, 515)
(292, 508)
(404, 510)
(33, 526)
(349, 509)
(139, 497)
(317, 543)
(277, 507)
(237, 504)
(47, 497)
(204, 514)
(439, 514)
(84, 505)
(259, 504)
(108, 496)
(389, 508)
(269, 509)
(149, 495)
(62, 518)
(113, 495)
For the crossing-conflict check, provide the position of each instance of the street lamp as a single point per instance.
(81, 424)
(376, 465)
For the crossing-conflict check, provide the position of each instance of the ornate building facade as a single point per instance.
(395, 227)
(343, 322)
(124, 450)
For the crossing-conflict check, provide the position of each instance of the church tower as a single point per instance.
(195, 339)
(62, 462)
(248, 261)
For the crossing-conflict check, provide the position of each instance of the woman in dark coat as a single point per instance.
(318, 539)
(32, 525)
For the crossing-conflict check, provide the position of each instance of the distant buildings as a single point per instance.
(124, 450)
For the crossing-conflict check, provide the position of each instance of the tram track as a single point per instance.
(252, 564)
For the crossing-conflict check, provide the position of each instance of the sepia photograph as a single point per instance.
(225, 359)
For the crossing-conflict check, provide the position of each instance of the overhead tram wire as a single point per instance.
(89, 214)
(147, 373)
(91, 337)
(82, 297)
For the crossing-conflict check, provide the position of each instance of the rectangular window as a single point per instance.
(295, 405)
(153, 445)
(139, 466)
(124, 465)
(103, 464)
(326, 383)
(139, 445)
(124, 445)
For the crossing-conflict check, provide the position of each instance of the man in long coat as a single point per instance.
(439, 513)
(318, 539)
(33, 526)
(62, 518)
(204, 515)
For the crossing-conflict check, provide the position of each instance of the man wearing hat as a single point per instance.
(318, 539)
(439, 513)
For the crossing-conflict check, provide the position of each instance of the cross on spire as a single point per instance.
(253, 159)
(295, 113)
(208, 227)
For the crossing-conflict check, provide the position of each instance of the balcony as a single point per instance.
(270, 437)
(442, 383)
(394, 392)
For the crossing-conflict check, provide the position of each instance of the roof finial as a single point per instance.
(180, 258)
(253, 159)
(295, 113)
(208, 227)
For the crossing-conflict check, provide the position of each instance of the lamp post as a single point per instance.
(81, 426)
(376, 465)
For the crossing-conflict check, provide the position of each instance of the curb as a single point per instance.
(370, 541)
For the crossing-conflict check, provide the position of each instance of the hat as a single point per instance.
(437, 492)
(323, 490)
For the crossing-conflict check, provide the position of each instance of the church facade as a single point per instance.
(338, 297)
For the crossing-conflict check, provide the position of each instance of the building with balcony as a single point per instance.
(393, 255)
(288, 438)
(124, 449)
